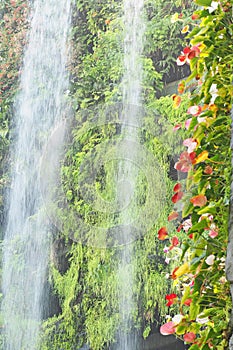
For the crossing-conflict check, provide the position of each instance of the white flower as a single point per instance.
(210, 260)
(201, 319)
(213, 6)
(214, 93)
(177, 318)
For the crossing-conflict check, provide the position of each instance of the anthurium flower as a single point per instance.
(194, 16)
(173, 216)
(213, 6)
(185, 29)
(168, 328)
(213, 233)
(202, 319)
(171, 299)
(210, 260)
(177, 196)
(162, 233)
(177, 319)
(177, 127)
(199, 201)
(181, 87)
(214, 93)
(189, 337)
(187, 123)
(176, 101)
(194, 110)
(180, 271)
(177, 187)
(208, 170)
(201, 157)
(174, 242)
(188, 302)
(191, 144)
(185, 162)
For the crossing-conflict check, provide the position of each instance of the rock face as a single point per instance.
(159, 342)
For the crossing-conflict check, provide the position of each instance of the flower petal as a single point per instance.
(162, 233)
(168, 328)
(199, 201)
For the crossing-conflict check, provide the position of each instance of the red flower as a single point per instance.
(173, 216)
(187, 54)
(208, 170)
(177, 196)
(199, 201)
(185, 162)
(168, 328)
(171, 298)
(189, 337)
(177, 187)
(195, 16)
(174, 242)
(162, 233)
(187, 302)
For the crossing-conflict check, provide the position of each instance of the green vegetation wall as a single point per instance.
(83, 277)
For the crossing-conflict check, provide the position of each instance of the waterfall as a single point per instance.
(131, 120)
(39, 107)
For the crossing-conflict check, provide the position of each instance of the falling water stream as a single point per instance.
(39, 107)
(131, 120)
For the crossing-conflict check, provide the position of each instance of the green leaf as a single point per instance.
(203, 2)
(199, 226)
(194, 310)
(186, 295)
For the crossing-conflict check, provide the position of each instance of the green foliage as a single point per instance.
(206, 201)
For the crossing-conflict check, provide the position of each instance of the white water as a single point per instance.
(131, 120)
(39, 107)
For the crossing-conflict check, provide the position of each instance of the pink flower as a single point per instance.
(173, 216)
(189, 337)
(185, 162)
(177, 127)
(213, 234)
(186, 225)
(191, 144)
(194, 110)
(187, 123)
(168, 328)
